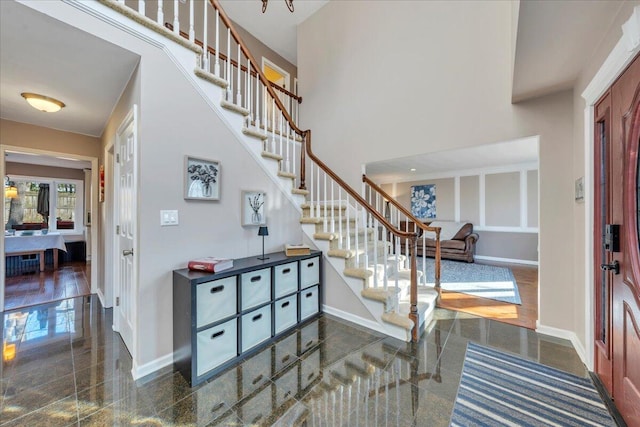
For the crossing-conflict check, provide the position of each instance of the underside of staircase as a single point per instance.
(375, 272)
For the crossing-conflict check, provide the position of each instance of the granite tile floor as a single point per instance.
(64, 366)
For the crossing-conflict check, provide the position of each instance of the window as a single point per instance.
(44, 203)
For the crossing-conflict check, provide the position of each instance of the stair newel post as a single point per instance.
(205, 51)
(216, 67)
(306, 139)
(160, 17)
(176, 18)
(141, 6)
(192, 30)
(413, 314)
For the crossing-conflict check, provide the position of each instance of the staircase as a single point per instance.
(367, 247)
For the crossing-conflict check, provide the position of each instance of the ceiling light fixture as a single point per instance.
(288, 2)
(43, 103)
(412, 169)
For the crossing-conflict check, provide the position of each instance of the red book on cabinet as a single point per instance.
(210, 264)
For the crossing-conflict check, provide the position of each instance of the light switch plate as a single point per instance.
(168, 218)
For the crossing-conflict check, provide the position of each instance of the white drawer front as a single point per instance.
(286, 313)
(308, 302)
(309, 336)
(215, 300)
(309, 369)
(216, 345)
(256, 288)
(286, 279)
(309, 272)
(256, 327)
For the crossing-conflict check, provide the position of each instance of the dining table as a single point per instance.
(36, 243)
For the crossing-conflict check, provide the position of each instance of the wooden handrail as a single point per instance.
(235, 63)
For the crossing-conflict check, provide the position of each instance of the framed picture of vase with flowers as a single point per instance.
(201, 179)
(253, 208)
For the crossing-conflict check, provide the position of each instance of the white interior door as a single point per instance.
(125, 218)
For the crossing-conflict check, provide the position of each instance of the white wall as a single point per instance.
(389, 79)
(174, 121)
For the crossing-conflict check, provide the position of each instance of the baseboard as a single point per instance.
(138, 372)
(509, 260)
(369, 324)
(567, 335)
(102, 299)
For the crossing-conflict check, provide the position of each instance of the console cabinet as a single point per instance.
(220, 318)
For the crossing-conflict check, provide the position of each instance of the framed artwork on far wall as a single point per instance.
(201, 179)
(253, 208)
(423, 201)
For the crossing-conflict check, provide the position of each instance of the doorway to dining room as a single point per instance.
(48, 229)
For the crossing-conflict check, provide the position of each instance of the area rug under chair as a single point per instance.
(486, 281)
(499, 389)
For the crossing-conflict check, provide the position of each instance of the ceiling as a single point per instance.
(521, 151)
(555, 40)
(277, 27)
(42, 55)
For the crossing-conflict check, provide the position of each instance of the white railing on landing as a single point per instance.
(247, 91)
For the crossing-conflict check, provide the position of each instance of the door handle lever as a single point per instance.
(615, 267)
(127, 252)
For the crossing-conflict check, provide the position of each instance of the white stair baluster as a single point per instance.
(205, 45)
(257, 96)
(311, 209)
(406, 241)
(318, 211)
(281, 148)
(333, 208)
(288, 161)
(216, 66)
(324, 195)
(348, 233)
(365, 221)
(340, 218)
(375, 238)
(424, 259)
(160, 17)
(229, 75)
(239, 71)
(264, 107)
(192, 31)
(357, 240)
(176, 18)
(141, 6)
(247, 90)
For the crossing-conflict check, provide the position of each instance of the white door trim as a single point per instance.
(287, 76)
(95, 262)
(622, 54)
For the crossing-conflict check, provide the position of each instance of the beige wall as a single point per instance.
(502, 199)
(470, 199)
(532, 198)
(517, 246)
(454, 92)
(40, 138)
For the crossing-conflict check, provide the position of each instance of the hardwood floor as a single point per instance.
(524, 315)
(70, 280)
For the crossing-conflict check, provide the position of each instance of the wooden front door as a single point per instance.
(617, 247)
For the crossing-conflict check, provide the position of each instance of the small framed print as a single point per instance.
(253, 208)
(201, 179)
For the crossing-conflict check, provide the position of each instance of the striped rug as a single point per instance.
(497, 389)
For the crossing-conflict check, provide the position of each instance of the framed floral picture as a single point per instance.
(201, 179)
(253, 208)
(423, 201)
